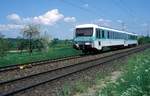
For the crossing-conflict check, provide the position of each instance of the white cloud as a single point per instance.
(7, 27)
(14, 17)
(70, 19)
(49, 18)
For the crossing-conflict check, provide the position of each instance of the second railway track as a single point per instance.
(35, 63)
(14, 73)
(14, 86)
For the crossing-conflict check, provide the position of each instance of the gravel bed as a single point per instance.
(45, 67)
(54, 87)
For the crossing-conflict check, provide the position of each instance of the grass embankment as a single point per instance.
(55, 51)
(131, 79)
(135, 80)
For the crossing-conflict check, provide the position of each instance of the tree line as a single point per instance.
(31, 40)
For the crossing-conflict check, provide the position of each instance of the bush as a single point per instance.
(144, 40)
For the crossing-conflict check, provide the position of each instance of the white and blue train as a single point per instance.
(91, 37)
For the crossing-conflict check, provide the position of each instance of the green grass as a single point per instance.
(56, 51)
(65, 91)
(135, 80)
(79, 86)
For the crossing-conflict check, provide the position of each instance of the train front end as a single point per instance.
(84, 38)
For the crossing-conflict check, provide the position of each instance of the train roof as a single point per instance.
(104, 28)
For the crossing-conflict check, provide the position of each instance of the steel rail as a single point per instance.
(73, 69)
(36, 63)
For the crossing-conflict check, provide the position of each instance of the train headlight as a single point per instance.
(88, 43)
(77, 45)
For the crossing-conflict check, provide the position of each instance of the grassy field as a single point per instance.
(56, 51)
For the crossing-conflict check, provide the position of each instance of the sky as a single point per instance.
(58, 18)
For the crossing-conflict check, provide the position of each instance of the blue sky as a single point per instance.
(59, 17)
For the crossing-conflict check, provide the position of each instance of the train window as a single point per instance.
(113, 35)
(120, 36)
(108, 36)
(129, 37)
(98, 33)
(126, 36)
(116, 35)
(103, 35)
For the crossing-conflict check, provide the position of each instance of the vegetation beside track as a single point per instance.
(144, 40)
(11, 53)
(134, 80)
(58, 50)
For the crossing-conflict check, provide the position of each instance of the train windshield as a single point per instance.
(84, 32)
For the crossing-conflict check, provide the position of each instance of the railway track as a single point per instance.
(36, 63)
(14, 73)
(14, 86)
(41, 62)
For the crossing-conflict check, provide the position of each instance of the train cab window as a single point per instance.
(84, 32)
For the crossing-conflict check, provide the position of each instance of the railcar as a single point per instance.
(91, 37)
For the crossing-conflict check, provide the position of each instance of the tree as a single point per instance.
(3, 46)
(31, 32)
(54, 41)
(144, 40)
(45, 40)
(22, 44)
